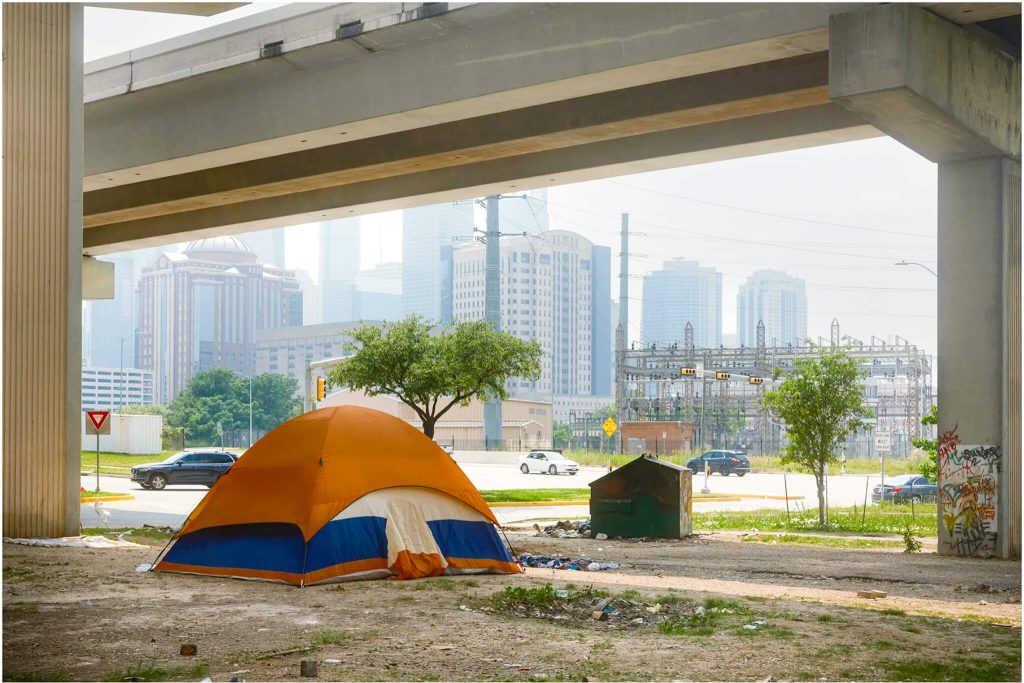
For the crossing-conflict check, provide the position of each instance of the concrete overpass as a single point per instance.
(312, 112)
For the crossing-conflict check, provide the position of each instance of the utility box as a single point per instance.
(647, 497)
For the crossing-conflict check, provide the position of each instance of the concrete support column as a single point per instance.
(954, 98)
(42, 267)
(979, 356)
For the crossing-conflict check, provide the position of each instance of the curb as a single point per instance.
(717, 499)
(106, 499)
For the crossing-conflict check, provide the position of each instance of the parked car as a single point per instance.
(547, 462)
(188, 467)
(904, 488)
(723, 462)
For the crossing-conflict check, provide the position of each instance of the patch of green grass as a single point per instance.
(672, 599)
(602, 645)
(886, 645)
(514, 596)
(755, 598)
(98, 494)
(888, 519)
(725, 604)
(442, 582)
(128, 531)
(825, 541)
(893, 612)
(153, 672)
(405, 598)
(14, 573)
(686, 626)
(954, 670)
(534, 495)
(770, 630)
(630, 594)
(24, 607)
(36, 676)
(909, 628)
(321, 638)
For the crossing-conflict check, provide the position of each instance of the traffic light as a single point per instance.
(721, 375)
(687, 372)
(321, 388)
(756, 380)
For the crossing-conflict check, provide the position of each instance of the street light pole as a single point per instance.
(250, 410)
(904, 262)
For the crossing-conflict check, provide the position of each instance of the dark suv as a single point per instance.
(723, 462)
(189, 467)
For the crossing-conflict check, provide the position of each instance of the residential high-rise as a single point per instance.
(339, 265)
(548, 294)
(779, 301)
(201, 309)
(682, 292)
(268, 245)
(429, 234)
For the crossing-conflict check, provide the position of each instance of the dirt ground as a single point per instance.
(80, 614)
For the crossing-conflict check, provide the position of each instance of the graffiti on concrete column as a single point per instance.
(968, 497)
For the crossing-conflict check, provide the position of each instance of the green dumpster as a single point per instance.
(647, 497)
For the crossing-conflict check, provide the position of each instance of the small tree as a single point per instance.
(929, 467)
(432, 373)
(820, 402)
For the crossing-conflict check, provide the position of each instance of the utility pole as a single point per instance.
(624, 280)
(492, 311)
(121, 407)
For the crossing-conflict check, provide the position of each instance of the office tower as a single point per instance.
(429, 234)
(339, 264)
(268, 245)
(201, 309)
(110, 323)
(529, 214)
(682, 292)
(547, 294)
(310, 298)
(779, 301)
(379, 293)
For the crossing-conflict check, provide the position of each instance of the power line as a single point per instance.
(768, 213)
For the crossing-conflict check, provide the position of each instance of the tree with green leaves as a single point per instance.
(221, 395)
(432, 370)
(929, 467)
(820, 402)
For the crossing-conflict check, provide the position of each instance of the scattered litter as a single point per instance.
(332, 661)
(74, 542)
(566, 563)
(307, 668)
(143, 568)
(755, 625)
(239, 672)
(982, 602)
(464, 608)
(565, 529)
(442, 647)
(523, 668)
(281, 653)
(206, 680)
(513, 666)
(871, 594)
(639, 621)
(188, 649)
(561, 593)
(602, 537)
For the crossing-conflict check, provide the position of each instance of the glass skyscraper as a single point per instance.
(682, 292)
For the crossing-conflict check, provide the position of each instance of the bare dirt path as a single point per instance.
(72, 614)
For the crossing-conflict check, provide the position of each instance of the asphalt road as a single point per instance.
(172, 505)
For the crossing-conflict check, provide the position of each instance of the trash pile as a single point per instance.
(566, 563)
(564, 529)
(589, 606)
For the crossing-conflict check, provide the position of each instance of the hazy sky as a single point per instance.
(838, 216)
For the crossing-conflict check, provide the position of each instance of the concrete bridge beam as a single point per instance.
(954, 98)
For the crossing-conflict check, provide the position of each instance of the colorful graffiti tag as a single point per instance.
(968, 496)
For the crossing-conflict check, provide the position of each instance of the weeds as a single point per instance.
(893, 612)
(909, 628)
(912, 544)
(36, 676)
(958, 670)
(153, 672)
(887, 519)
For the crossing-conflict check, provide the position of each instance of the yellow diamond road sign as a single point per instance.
(609, 426)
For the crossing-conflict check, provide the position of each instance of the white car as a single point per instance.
(547, 462)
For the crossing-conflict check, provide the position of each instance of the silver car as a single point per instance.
(547, 462)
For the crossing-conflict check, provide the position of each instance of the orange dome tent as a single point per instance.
(337, 494)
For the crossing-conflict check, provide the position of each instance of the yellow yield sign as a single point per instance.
(609, 427)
